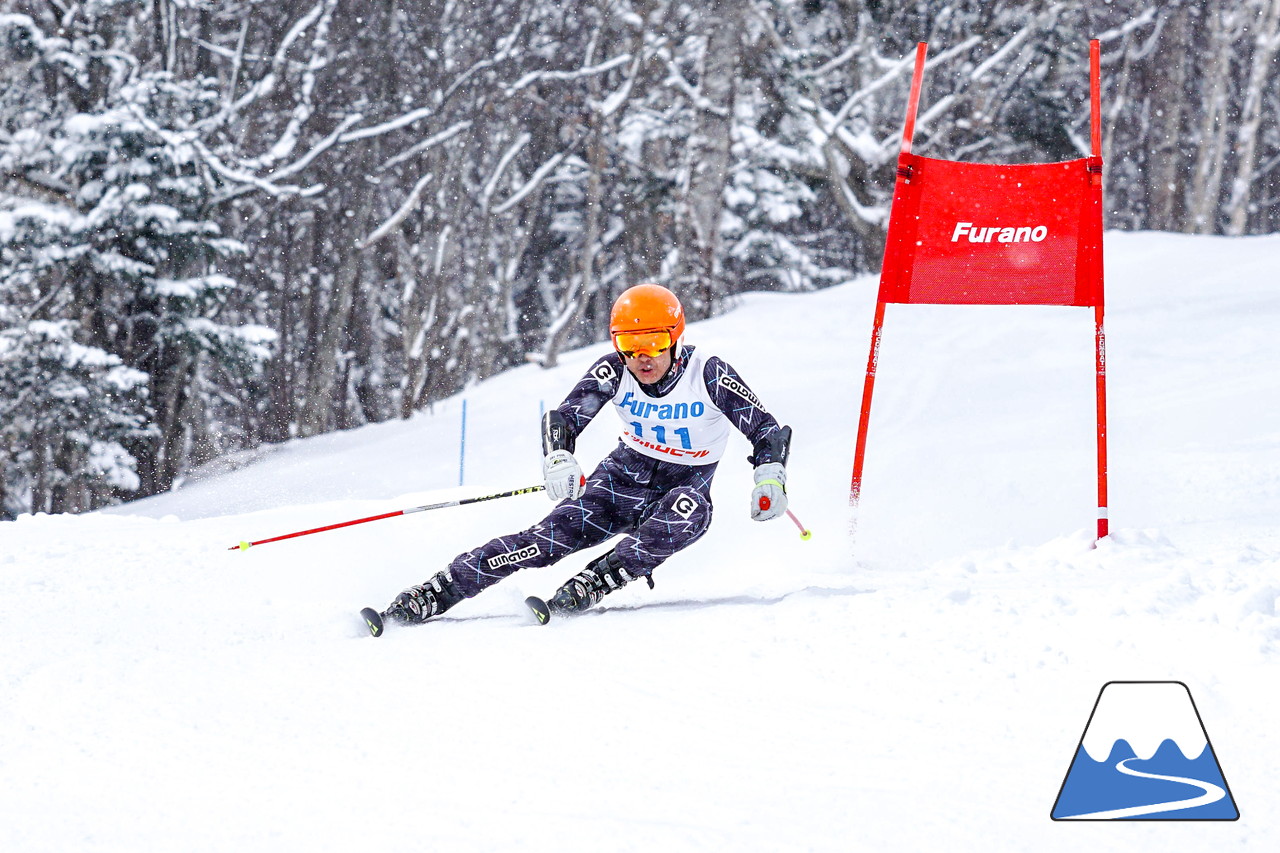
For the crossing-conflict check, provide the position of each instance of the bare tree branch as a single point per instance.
(399, 216)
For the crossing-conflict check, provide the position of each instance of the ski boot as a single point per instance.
(420, 603)
(602, 576)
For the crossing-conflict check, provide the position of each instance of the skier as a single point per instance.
(676, 406)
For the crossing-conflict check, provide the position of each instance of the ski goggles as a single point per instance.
(650, 343)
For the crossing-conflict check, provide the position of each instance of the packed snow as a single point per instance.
(920, 682)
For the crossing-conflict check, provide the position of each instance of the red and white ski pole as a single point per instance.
(244, 546)
(805, 533)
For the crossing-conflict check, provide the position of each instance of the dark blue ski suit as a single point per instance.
(661, 506)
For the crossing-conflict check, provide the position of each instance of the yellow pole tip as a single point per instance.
(806, 535)
(244, 546)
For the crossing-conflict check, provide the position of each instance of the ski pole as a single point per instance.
(244, 546)
(805, 533)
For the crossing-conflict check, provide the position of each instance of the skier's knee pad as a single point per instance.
(688, 510)
(677, 521)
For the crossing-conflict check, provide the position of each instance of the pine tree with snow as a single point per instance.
(67, 413)
(118, 239)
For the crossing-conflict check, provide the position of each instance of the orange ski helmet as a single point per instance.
(647, 319)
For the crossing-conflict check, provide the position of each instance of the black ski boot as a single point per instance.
(602, 576)
(420, 603)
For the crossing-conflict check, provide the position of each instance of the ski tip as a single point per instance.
(372, 620)
(539, 609)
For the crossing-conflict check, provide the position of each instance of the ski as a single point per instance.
(540, 609)
(373, 621)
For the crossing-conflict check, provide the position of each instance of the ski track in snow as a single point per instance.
(920, 687)
(1211, 794)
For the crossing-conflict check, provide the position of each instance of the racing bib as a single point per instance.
(683, 426)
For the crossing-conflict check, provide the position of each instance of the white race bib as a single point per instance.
(683, 426)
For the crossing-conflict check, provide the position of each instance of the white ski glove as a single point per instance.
(769, 497)
(563, 476)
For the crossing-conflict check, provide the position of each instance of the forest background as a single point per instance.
(229, 223)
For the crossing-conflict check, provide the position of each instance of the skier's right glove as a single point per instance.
(563, 476)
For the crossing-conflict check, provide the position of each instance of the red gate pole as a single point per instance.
(877, 326)
(1100, 338)
(917, 80)
(1101, 361)
(1095, 96)
(864, 417)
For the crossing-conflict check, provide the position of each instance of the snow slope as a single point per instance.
(921, 686)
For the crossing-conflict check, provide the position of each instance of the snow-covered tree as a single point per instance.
(120, 242)
(68, 413)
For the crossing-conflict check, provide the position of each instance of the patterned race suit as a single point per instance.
(656, 494)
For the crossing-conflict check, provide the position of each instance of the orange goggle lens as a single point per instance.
(651, 344)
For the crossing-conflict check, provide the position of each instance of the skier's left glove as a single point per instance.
(769, 497)
(563, 476)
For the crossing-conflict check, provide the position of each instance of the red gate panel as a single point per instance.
(981, 234)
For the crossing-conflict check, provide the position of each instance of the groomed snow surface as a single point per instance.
(921, 686)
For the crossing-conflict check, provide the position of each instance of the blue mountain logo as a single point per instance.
(1145, 755)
